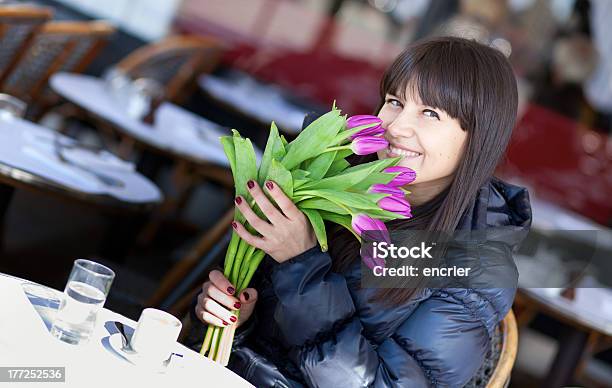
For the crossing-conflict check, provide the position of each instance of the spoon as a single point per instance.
(125, 343)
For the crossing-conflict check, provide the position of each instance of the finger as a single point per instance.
(267, 208)
(257, 223)
(213, 320)
(219, 311)
(220, 281)
(244, 234)
(285, 203)
(222, 298)
(248, 296)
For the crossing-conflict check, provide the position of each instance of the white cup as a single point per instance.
(155, 336)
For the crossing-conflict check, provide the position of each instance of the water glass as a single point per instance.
(11, 107)
(84, 295)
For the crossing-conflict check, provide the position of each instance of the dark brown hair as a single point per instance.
(472, 83)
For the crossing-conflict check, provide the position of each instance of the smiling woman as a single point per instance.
(448, 107)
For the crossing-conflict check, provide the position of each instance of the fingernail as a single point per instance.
(269, 185)
(231, 289)
(246, 296)
(234, 225)
(225, 323)
(237, 305)
(250, 184)
(238, 200)
(233, 318)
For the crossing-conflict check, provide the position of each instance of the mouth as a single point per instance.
(393, 152)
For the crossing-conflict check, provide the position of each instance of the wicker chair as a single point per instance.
(18, 26)
(496, 368)
(174, 62)
(59, 46)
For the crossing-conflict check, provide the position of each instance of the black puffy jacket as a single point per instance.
(314, 327)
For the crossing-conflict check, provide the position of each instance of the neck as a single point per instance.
(421, 193)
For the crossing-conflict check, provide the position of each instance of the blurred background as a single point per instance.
(137, 91)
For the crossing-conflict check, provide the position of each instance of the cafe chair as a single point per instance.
(59, 46)
(175, 62)
(19, 24)
(497, 366)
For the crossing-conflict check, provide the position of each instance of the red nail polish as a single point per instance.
(269, 185)
(250, 184)
(238, 200)
(231, 289)
(246, 296)
(234, 225)
(225, 323)
(233, 318)
(237, 305)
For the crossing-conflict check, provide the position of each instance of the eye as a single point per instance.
(394, 102)
(431, 113)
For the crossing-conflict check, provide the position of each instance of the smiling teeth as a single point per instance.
(399, 151)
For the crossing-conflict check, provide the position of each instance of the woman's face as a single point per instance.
(429, 141)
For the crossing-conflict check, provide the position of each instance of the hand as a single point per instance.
(217, 299)
(288, 233)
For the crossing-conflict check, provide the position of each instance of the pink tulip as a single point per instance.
(406, 175)
(380, 188)
(358, 121)
(363, 223)
(365, 145)
(395, 205)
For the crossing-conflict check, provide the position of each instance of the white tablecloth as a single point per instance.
(262, 102)
(27, 146)
(176, 130)
(26, 342)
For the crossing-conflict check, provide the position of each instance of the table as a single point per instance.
(25, 341)
(28, 158)
(176, 132)
(261, 102)
(588, 319)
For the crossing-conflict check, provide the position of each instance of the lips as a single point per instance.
(392, 150)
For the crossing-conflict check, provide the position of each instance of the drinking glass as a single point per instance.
(84, 295)
(11, 107)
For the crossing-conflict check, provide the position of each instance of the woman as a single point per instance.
(448, 107)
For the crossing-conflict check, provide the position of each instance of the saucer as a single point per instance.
(115, 342)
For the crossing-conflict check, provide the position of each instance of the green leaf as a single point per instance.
(349, 177)
(319, 165)
(246, 164)
(314, 139)
(228, 147)
(319, 227)
(348, 199)
(279, 174)
(337, 167)
(274, 150)
(372, 179)
(318, 203)
(341, 220)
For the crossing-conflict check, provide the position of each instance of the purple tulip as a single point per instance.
(365, 145)
(395, 205)
(358, 121)
(368, 258)
(363, 223)
(380, 188)
(406, 175)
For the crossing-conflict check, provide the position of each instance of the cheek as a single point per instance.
(443, 154)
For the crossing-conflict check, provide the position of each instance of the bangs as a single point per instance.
(442, 74)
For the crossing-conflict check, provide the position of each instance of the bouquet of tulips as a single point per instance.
(312, 170)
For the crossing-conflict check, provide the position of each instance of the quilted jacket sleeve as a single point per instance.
(442, 343)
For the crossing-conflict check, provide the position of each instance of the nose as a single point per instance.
(401, 126)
